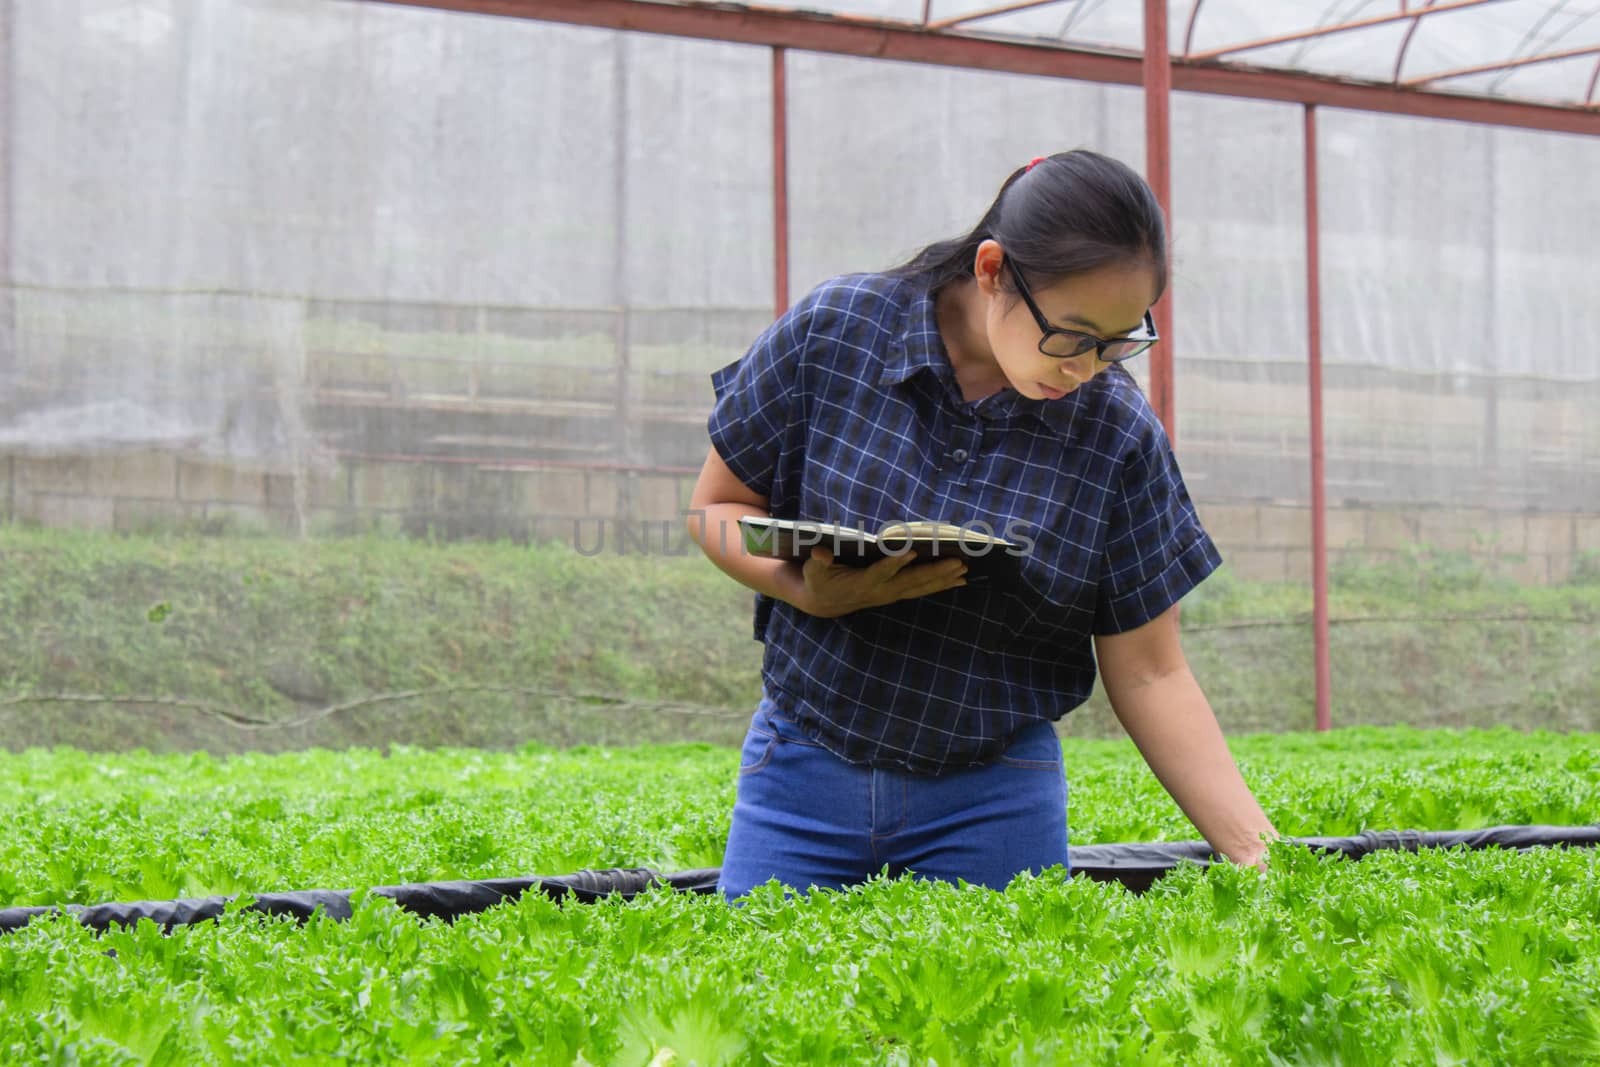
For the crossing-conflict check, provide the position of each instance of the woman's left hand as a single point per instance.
(1258, 860)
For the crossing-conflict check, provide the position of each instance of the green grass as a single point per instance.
(276, 629)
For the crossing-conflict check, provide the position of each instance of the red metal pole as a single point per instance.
(780, 182)
(1158, 171)
(1319, 501)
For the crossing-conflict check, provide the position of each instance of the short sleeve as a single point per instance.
(1156, 550)
(756, 399)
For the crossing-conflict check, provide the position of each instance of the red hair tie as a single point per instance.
(1036, 161)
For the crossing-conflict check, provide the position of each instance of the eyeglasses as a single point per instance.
(1064, 344)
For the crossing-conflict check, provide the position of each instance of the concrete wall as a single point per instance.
(595, 508)
(141, 491)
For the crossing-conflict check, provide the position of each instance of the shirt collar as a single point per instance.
(917, 343)
(917, 346)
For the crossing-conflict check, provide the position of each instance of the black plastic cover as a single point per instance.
(1136, 866)
(443, 900)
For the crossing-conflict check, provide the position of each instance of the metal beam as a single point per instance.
(989, 13)
(1461, 72)
(1188, 32)
(1158, 172)
(627, 427)
(809, 31)
(1293, 87)
(10, 360)
(909, 42)
(1341, 27)
(1405, 44)
(1319, 482)
(780, 182)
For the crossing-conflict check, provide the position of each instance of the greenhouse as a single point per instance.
(373, 687)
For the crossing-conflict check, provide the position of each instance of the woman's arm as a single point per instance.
(715, 507)
(1160, 704)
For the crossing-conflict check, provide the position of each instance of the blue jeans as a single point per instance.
(808, 818)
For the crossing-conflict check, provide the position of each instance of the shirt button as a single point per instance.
(959, 455)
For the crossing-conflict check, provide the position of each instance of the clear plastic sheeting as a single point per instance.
(105, 369)
(1399, 42)
(868, 193)
(287, 235)
(293, 267)
(1460, 330)
(1410, 49)
(275, 233)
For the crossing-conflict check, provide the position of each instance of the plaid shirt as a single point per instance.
(846, 410)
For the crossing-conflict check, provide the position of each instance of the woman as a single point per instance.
(906, 718)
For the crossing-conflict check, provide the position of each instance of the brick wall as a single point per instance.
(154, 490)
(1273, 542)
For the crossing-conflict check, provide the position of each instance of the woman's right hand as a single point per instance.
(832, 589)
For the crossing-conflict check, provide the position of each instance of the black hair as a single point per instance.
(1072, 212)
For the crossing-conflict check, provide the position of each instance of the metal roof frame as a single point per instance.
(1324, 31)
(912, 42)
(1158, 71)
(1508, 64)
(1405, 14)
(973, 16)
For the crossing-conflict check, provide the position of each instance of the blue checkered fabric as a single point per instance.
(846, 410)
